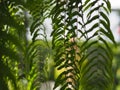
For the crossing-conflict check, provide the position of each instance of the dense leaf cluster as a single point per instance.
(80, 39)
(86, 65)
(22, 61)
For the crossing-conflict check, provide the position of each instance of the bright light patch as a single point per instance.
(115, 4)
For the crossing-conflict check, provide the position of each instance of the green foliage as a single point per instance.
(85, 67)
(22, 61)
(80, 39)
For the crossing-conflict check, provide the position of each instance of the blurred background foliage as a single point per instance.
(116, 67)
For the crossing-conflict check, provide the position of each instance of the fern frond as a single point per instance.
(98, 62)
(85, 21)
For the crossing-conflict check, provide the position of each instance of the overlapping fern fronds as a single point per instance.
(8, 44)
(24, 56)
(81, 38)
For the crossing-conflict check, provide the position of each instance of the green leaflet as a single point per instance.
(34, 25)
(59, 80)
(92, 19)
(35, 35)
(106, 10)
(105, 17)
(108, 35)
(86, 2)
(59, 62)
(109, 55)
(108, 4)
(88, 55)
(106, 44)
(93, 10)
(106, 26)
(90, 30)
(90, 5)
